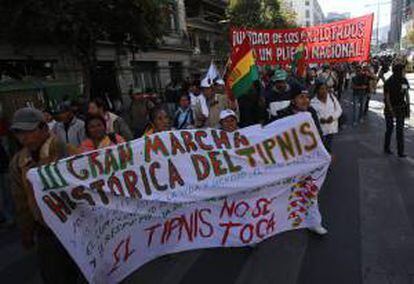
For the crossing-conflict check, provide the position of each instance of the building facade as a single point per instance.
(407, 23)
(308, 12)
(189, 45)
(397, 12)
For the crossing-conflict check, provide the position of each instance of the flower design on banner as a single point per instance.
(302, 197)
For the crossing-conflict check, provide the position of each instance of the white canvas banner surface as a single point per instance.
(118, 208)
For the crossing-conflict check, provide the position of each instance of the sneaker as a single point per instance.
(388, 152)
(319, 230)
(402, 156)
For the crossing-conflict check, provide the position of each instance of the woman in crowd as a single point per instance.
(301, 103)
(184, 118)
(329, 110)
(113, 122)
(228, 120)
(95, 128)
(159, 121)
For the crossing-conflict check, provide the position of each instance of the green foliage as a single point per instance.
(263, 14)
(410, 37)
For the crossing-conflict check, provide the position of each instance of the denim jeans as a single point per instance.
(358, 105)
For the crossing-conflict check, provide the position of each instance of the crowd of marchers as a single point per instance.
(69, 128)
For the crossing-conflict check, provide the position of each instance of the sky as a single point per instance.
(359, 8)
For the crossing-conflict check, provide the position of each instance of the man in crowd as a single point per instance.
(68, 128)
(360, 86)
(278, 96)
(372, 86)
(114, 123)
(215, 104)
(228, 120)
(138, 116)
(194, 92)
(329, 77)
(397, 107)
(40, 147)
(279, 93)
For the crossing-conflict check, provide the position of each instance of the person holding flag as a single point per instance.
(210, 104)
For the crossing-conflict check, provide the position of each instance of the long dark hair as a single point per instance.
(100, 103)
(91, 118)
(318, 86)
(155, 111)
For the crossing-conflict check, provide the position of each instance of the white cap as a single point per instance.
(206, 83)
(220, 82)
(227, 113)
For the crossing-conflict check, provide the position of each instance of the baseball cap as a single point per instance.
(280, 75)
(220, 82)
(26, 119)
(227, 113)
(299, 92)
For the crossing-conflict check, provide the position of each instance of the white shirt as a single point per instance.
(200, 99)
(324, 110)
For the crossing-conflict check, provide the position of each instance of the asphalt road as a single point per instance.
(368, 207)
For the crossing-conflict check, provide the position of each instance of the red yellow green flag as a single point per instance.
(242, 71)
(298, 64)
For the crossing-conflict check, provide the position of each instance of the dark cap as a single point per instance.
(26, 119)
(62, 107)
(299, 91)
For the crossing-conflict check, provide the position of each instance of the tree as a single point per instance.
(409, 38)
(79, 25)
(262, 14)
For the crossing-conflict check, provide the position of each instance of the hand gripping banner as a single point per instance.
(117, 208)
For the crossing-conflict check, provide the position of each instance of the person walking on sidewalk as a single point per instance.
(397, 107)
(360, 86)
(329, 110)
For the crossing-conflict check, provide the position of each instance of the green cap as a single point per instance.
(280, 75)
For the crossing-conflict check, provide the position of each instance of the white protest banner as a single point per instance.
(117, 208)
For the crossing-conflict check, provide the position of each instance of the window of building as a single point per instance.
(22, 69)
(146, 75)
(172, 15)
(307, 14)
(205, 46)
(176, 71)
(308, 23)
(307, 2)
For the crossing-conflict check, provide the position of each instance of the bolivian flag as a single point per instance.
(242, 71)
(298, 64)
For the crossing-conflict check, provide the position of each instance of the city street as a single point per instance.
(368, 207)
